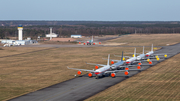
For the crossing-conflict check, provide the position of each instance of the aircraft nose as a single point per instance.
(127, 62)
(97, 73)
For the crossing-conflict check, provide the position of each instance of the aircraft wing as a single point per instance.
(114, 71)
(138, 65)
(146, 65)
(156, 59)
(150, 57)
(137, 61)
(153, 59)
(163, 54)
(134, 69)
(123, 56)
(129, 65)
(96, 64)
(81, 69)
(115, 60)
(159, 54)
(111, 59)
(132, 53)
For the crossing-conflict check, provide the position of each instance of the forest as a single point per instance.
(34, 29)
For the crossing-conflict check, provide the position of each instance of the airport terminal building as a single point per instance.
(19, 42)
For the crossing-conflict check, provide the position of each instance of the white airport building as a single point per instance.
(76, 36)
(20, 40)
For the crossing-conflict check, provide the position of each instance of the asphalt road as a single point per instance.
(80, 88)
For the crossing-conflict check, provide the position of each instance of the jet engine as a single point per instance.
(79, 72)
(90, 74)
(126, 72)
(112, 62)
(138, 67)
(150, 62)
(96, 67)
(126, 68)
(113, 75)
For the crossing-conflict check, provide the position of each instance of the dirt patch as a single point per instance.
(148, 39)
(58, 42)
(63, 39)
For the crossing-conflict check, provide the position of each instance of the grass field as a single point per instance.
(147, 40)
(160, 82)
(9, 51)
(25, 69)
(29, 72)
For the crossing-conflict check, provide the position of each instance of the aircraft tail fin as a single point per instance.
(152, 48)
(135, 52)
(108, 60)
(92, 38)
(122, 56)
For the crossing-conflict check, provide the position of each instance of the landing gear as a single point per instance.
(88, 43)
(97, 77)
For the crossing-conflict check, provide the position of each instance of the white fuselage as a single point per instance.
(131, 60)
(141, 56)
(149, 53)
(116, 65)
(101, 71)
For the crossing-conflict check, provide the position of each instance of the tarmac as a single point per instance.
(83, 87)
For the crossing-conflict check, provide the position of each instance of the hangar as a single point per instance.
(51, 34)
(76, 36)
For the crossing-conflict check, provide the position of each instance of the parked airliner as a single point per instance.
(89, 42)
(100, 71)
(151, 53)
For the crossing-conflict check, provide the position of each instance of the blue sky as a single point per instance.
(90, 10)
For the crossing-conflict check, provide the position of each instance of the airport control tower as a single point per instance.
(20, 33)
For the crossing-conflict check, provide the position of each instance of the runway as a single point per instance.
(75, 45)
(83, 87)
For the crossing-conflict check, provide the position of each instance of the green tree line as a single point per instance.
(89, 29)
